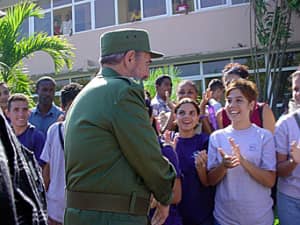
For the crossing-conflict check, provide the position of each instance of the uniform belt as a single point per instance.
(108, 202)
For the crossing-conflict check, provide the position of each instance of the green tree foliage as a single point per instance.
(14, 48)
(172, 71)
(272, 30)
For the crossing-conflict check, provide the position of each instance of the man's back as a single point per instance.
(112, 148)
(113, 130)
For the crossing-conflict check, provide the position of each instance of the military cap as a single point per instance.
(123, 40)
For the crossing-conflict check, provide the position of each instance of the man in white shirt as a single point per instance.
(53, 155)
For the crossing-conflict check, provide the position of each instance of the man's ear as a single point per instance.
(130, 56)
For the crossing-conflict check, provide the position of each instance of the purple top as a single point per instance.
(174, 217)
(197, 203)
(34, 140)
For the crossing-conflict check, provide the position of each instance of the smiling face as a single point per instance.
(18, 113)
(164, 88)
(186, 91)
(187, 118)
(238, 107)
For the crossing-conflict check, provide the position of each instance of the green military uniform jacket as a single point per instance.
(110, 146)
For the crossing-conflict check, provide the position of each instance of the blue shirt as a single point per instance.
(41, 122)
(34, 140)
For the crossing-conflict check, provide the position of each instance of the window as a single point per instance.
(129, 10)
(61, 2)
(217, 66)
(211, 3)
(43, 24)
(24, 29)
(62, 21)
(154, 8)
(188, 69)
(45, 4)
(248, 61)
(61, 83)
(82, 17)
(104, 13)
(238, 1)
(81, 80)
(291, 59)
(179, 6)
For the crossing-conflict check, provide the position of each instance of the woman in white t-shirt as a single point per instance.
(241, 162)
(287, 140)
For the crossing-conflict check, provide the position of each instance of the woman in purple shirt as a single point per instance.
(197, 201)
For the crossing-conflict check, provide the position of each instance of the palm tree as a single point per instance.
(14, 48)
(172, 71)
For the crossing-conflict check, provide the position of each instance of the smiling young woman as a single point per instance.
(241, 162)
(197, 200)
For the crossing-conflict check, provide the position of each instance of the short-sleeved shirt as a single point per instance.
(287, 131)
(53, 153)
(159, 105)
(197, 201)
(42, 123)
(34, 140)
(239, 198)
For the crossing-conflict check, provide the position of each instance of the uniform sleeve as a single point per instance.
(139, 144)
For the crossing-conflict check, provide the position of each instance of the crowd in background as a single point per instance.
(227, 158)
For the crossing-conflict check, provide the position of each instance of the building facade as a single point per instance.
(199, 43)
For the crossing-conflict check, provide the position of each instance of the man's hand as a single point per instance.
(160, 215)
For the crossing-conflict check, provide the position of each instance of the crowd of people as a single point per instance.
(112, 152)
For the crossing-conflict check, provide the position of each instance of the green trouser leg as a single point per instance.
(88, 217)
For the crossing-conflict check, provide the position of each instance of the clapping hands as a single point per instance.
(233, 160)
(201, 159)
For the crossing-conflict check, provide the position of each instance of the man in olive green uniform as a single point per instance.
(113, 160)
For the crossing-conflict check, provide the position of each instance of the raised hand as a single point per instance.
(235, 148)
(201, 159)
(229, 161)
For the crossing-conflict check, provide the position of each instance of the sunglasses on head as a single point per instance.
(238, 71)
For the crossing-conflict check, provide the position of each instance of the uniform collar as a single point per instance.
(108, 72)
